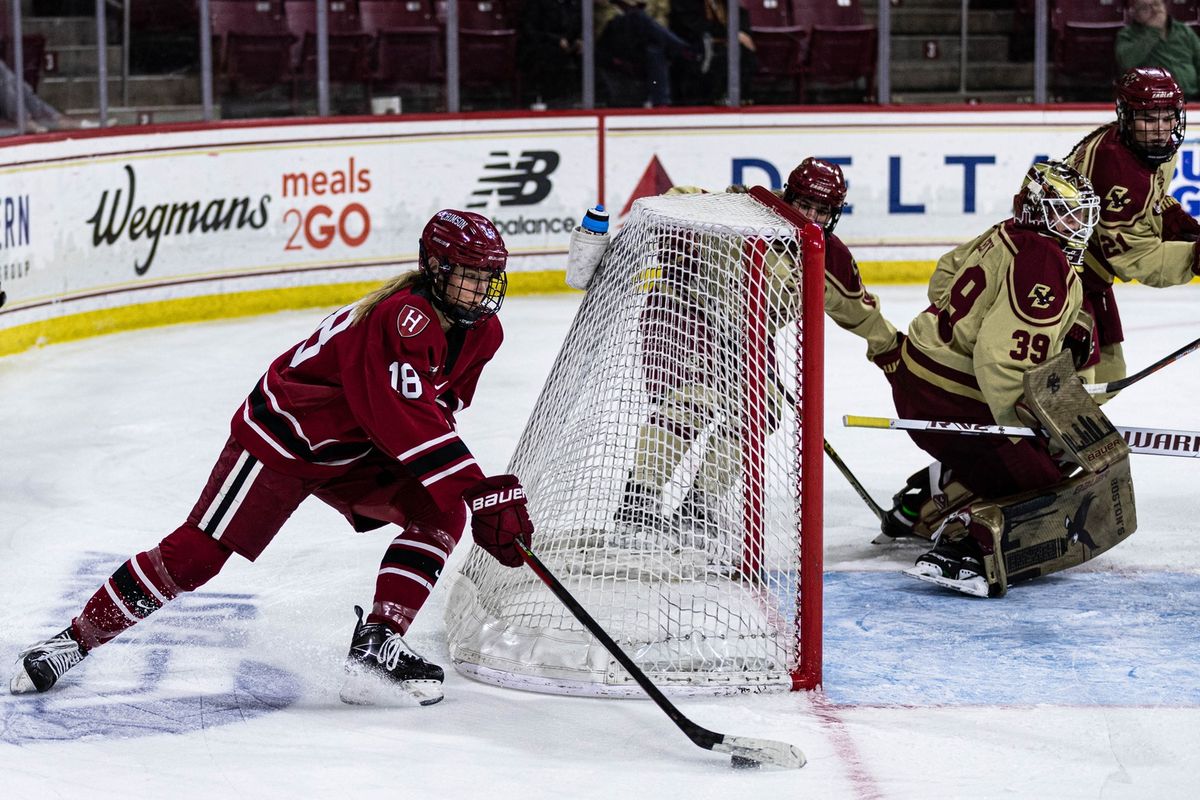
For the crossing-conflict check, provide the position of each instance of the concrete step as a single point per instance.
(951, 5)
(915, 21)
(65, 31)
(981, 76)
(71, 94)
(979, 48)
(145, 115)
(957, 98)
(80, 60)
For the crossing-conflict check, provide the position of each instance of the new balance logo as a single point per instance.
(520, 181)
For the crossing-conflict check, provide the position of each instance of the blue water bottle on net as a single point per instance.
(595, 220)
(589, 242)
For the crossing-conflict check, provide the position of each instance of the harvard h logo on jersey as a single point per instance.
(410, 322)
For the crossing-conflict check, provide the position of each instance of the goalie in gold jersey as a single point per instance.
(999, 305)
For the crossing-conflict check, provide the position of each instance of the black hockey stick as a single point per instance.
(876, 509)
(745, 751)
(1118, 385)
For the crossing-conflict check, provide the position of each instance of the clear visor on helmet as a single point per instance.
(1072, 220)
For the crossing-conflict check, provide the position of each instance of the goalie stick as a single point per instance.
(876, 509)
(1118, 385)
(1145, 441)
(745, 751)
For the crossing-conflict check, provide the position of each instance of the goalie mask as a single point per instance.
(1057, 200)
(820, 186)
(463, 258)
(1150, 114)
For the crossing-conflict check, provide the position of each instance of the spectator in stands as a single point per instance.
(1154, 39)
(703, 25)
(634, 51)
(40, 115)
(549, 50)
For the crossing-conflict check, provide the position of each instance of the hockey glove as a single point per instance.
(499, 518)
(889, 360)
(1081, 341)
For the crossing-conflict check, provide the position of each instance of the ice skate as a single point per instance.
(39, 667)
(381, 669)
(952, 565)
(899, 520)
(638, 522)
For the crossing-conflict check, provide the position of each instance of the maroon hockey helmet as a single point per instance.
(1146, 89)
(819, 182)
(465, 241)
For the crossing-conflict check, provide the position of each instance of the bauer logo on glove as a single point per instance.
(496, 498)
(499, 517)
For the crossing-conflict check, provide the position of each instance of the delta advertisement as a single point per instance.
(121, 229)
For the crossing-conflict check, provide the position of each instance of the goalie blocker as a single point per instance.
(1048, 530)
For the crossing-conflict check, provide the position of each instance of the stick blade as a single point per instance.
(766, 751)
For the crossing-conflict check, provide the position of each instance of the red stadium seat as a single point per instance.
(1085, 39)
(840, 52)
(488, 59)
(778, 43)
(485, 15)
(257, 60)
(349, 44)
(409, 46)
(840, 57)
(487, 45)
(1186, 11)
(828, 12)
(1088, 10)
(163, 16)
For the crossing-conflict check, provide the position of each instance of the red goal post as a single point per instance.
(698, 333)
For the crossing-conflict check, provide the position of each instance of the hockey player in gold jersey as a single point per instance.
(1000, 305)
(1143, 235)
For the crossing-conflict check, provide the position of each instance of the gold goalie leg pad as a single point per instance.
(1071, 418)
(936, 509)
(1042, 532)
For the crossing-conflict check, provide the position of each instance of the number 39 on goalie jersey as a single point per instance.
(392, 382)
(1000, 305)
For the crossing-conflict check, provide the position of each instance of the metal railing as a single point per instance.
(587, 96)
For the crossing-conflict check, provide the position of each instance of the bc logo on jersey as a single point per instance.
(410, 322)
(1116, 199)
(1041, 296)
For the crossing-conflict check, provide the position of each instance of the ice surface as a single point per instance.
(1086, 684)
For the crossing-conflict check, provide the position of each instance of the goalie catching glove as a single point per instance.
(499, 517)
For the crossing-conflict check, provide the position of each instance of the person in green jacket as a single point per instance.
(1154, 39)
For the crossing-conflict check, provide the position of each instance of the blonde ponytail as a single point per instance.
(368, 303)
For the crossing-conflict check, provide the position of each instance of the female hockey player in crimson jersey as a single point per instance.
(360, 415)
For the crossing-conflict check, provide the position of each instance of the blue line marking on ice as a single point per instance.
(1077, 638)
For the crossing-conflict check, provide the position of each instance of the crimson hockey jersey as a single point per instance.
(392, 382)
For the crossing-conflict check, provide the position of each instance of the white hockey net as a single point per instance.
(662, 463)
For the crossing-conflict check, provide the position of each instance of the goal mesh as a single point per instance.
(663, 465)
